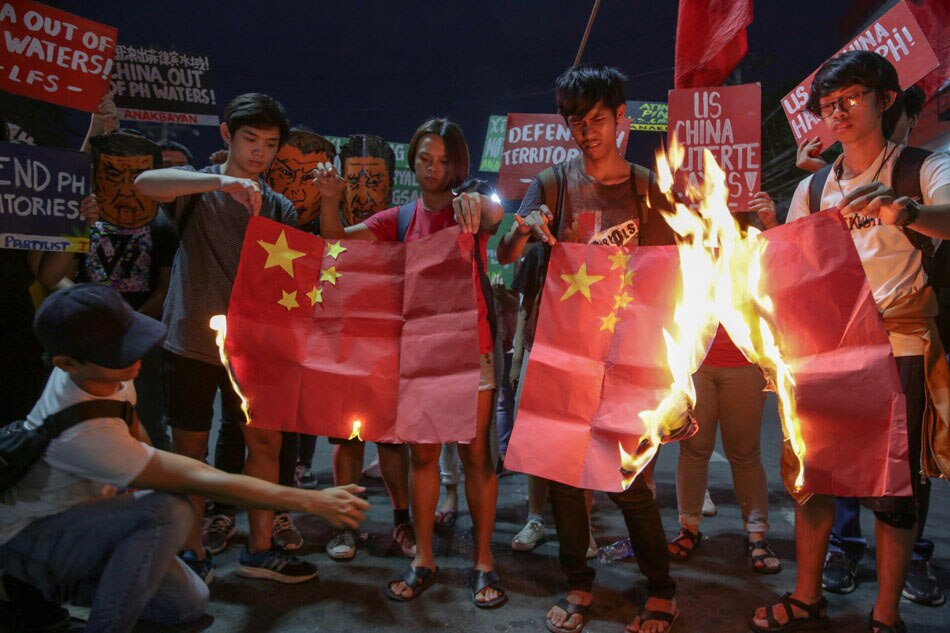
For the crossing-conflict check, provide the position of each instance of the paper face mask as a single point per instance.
(291, 173)
(368, 166)
(117, 159)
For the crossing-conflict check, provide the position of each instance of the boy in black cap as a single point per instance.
(64, 529)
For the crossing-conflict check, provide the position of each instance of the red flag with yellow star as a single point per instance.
(597, 361)
(323, 333)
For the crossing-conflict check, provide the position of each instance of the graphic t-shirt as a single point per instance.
(87, 461)
(891, 262)
(385, 226)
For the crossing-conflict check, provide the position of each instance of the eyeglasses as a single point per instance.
(844, 104)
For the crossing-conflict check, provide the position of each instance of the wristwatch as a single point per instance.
(913, 212)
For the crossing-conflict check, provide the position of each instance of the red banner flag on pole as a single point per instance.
(323, 333)
(710, 40)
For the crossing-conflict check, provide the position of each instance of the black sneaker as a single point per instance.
(838, 573)
(275, 564)
(32, 612)
(922, 585)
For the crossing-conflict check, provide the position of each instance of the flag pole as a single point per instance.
(590, 24)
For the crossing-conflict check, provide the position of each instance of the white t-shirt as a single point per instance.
(86, 462)
(891, 262)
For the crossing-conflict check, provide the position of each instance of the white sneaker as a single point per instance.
(709, 508)
(530, 536)
(372, 471)
(342, 546)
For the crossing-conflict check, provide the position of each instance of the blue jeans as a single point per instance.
(846, 533)
(120, 552)
(505, 408)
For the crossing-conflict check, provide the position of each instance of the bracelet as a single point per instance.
(913, 212)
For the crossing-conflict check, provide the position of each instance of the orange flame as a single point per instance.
(721, 276)
(219, 323)
(357, 433)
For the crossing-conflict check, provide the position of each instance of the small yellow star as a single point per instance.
(621, 301)
(334, 250)
(315, 296)
(288, 300)
(280, 254)
(330, 275)
(619, 260)
(580, 282)
(627, 279)
(609, 322)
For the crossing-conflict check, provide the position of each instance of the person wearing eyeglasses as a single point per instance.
(857, 94)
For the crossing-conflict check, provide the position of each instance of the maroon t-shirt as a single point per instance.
(723, 352)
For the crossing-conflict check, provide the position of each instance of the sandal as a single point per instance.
(658, 616)
(570, 609)
(758, 560)
(416, 578)
(815, 617)
(482, 580)
(682, 552)
(446, 519)
(880, 627)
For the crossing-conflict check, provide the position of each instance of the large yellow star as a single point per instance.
(288, 300)
(627, 279)
(334, 250)
(315, 296)
(280, 254)
(619, 260)
(621, 301)
(580, 282)
(609, 322)
(330, 275)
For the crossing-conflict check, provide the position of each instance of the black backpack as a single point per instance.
(905, 180)
(21, 447)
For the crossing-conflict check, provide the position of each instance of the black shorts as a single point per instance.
(342, 440)
(190, 386)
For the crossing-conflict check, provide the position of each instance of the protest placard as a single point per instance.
(54, 56)
(647, 116)
(897, 37)
(163, 86)
(41, 192)
(494, 143)
(728, 122)
(534, 142)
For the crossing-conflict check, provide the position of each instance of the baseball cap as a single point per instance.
(93, 323)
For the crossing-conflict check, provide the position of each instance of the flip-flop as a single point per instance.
(659, 616)
(570, 609)
(482, 580)
(416, 578)
(446, 519)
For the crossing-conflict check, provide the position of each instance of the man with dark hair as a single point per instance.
(369, 165)
(855, 93)
(210, 208)
(597, 198)
(175, 154)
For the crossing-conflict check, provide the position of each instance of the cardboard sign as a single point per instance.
(499, 273)
(895, 36)
(54, 56)
(728, 122)
(163, 86)
(117, 160)
(534, 142)
(41, 192)
(648, 116)
(494, 143)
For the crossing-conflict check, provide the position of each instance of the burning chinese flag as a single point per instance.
(710, 40)
(323, 334)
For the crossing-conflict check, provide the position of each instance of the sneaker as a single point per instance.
(342, 546)
(372, 471)
(530, 536)
(405, 537)
(275, 564)
(839, 572)
(304, 478)
(216, 532)
(922, 585)
(204, 569)
(31, 610)
(709, 508)
(286, 535)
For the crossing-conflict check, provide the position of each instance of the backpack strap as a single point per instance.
(905, 181)
(553, 194)
(403, 220)
(816, 186)
(88, 410)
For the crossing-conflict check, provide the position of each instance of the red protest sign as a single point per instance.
(728, 122)
(534, 142)
(897, 37)
(54, 56)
